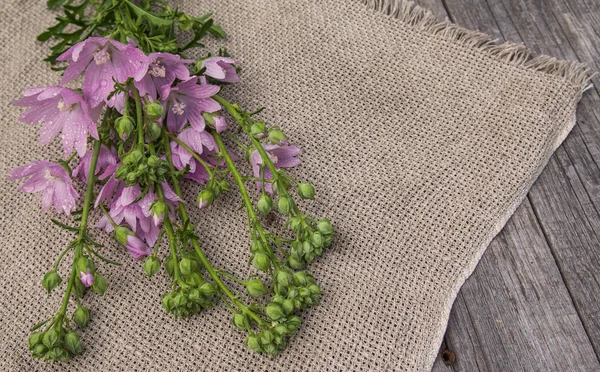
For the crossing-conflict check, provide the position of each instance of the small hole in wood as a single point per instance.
(448, 357)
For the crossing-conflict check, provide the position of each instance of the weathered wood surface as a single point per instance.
(533, 303)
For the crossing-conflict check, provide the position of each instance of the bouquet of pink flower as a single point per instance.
(145, 119)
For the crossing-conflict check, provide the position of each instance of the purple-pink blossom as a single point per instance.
(200, 142)
(137, 248)
(62, 110)
(87, 278)
(104, 166)
(163, 69)
(52, 180)
(104, 61)
(281, 156)
(185, 102)
(221, 68)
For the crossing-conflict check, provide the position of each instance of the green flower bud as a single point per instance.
(121, 234)
(167, 302)
(185, 22)
(283, 278)
(284, 204)
(255, 288)
(293, 323)
(154, 110)
(208, 289)
(281, 330)
(170, 265)
(180, 300)
(205, 198)
(256, 246)
(151, 266)
(253, 343)
(317, 239)
(84, 263)
(265, 204)
(196, 279)
(307, 248)
(295, 224)
(258, 129)
(73, 343)
(35, 339)
(276, 136)
(300, 278)
(100, 284)
(271, 350)
(314, 289)
(261, 261)
(51, 280)
(186, 266)
(39, 350)
(124, 126)
(50, 338)
(274, 311)
(81, 316)
(240, 320)
(295, 262)
(306, 191)
(325, 227)
(266, 337)
(288, 306)
(153, 130)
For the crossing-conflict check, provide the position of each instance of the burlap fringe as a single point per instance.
(576, 73)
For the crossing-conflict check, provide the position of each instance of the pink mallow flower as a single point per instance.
(87, 278)
(104, 167)
(281, 156)
(137, 248)
(103, 60)
(203, 144)
(61, 110)
(185, 102)
(163, 69)
(221, 68)
(54, 182)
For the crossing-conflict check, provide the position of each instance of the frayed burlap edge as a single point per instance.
(574, 73)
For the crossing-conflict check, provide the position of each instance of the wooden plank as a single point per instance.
(493, 19)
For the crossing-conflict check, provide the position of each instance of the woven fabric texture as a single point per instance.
(421, 138)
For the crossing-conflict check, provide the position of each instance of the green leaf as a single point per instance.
(66, 227)
(53, 4)
(157, 21)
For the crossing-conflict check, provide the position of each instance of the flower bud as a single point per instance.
(265, 204)
(205, 198)
(258, 129)
(51, 280)
(124, 126)
(256, 246)
(314, 289)
(121, 234)
(317, 239)
(207, 289)
(153, 130)
(288, 306)
(240, 320)
(170, 265)
(276, 136)
(325, 227)
(284, 204)
(293, 323)
(154, 110)
(185, 22)
(39, 350)
(295, 262)
(266, 337)
(295, 223)
(81, 316)
(261, 261)
(283, 278)
(34, 339)
(274, 311)
(255, 288)
(50, 338)
(281, 330)
(306, 191)
(73, 343)
(100, 284)
(300, 278)
(151, 266)
(253, 343)
(186, 266)
(87, 278)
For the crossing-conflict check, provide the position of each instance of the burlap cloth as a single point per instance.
(421, 139)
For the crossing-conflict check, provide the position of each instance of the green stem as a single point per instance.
(170, 235)
(245, 197)
(138, 116)
(89, 195)
(203, 259)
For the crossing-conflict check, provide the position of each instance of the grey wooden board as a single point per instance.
(532, 303)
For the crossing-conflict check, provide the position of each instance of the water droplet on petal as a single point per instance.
(103, 83)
